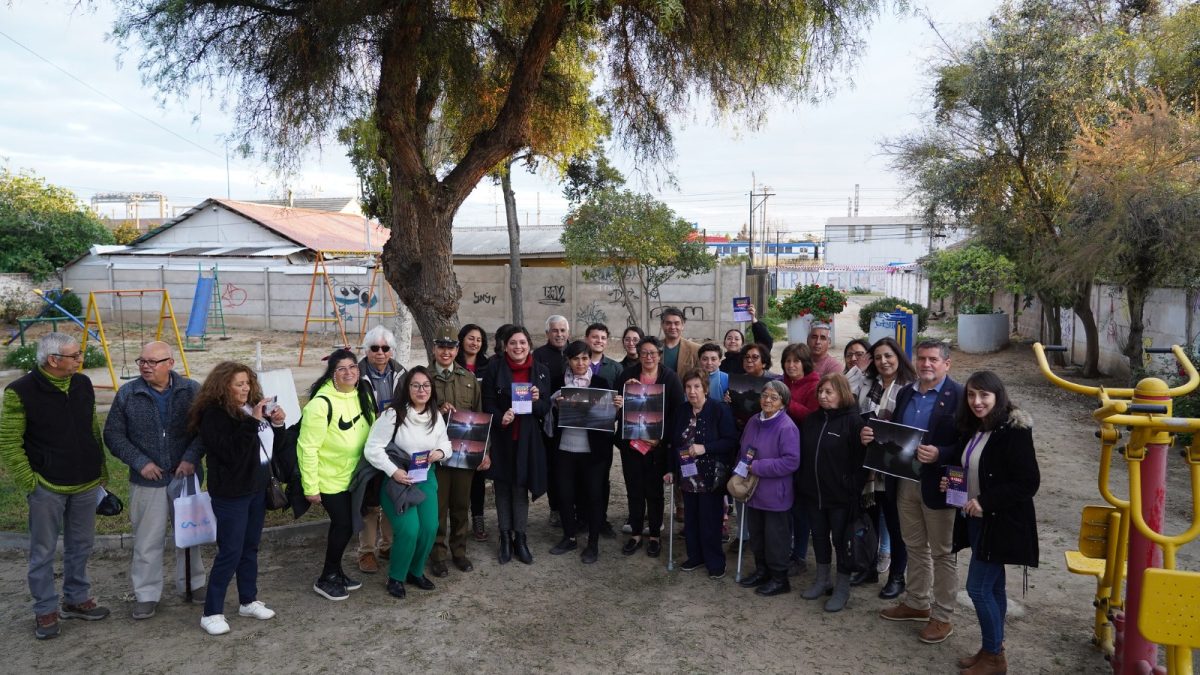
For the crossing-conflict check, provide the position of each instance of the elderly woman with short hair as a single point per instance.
(771, 449)
(381, 372)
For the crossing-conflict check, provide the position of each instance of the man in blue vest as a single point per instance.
(51, 444)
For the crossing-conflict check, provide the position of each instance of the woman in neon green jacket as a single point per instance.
(333, 431)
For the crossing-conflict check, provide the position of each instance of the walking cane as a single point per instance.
(741, 541)
(671, 528)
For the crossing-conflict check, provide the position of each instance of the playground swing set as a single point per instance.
(94, 320)
(335, 313)
(1161, 604)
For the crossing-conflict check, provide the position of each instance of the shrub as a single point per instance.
(859, 290)
(970, 276)
(820, 301)
(868, 312)
(16, 304)
(70, 302)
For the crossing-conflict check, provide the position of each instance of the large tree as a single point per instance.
(478, 73)
(992, 157)
(1137, 204)
(43, 226)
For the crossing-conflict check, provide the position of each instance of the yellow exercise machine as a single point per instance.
(1161, 604)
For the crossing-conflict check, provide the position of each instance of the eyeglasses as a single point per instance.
(856, 355)
(346, 369)
(153, 363)
(421, 386)
(648, 355)
(381, 348)
(769, 397)
(77, 355)
(752, 356)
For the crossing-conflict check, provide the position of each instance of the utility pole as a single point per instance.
(762, 207)
(856, 200)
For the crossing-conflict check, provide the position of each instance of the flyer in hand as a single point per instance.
(522, 398)
(741, 309)
(585, 408)
(468, 432)
(894, 450)
(418, 466)
(956, 486)
(643, 412)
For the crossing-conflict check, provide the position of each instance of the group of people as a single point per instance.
(372, 449)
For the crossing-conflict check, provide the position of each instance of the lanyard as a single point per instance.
(971, 449)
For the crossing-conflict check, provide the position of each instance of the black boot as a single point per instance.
(893, 588)
(776, 586)
(521, 549)
(867, 577)
(756, 578)
(505, 546)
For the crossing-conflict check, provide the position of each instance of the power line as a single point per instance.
(64, 71)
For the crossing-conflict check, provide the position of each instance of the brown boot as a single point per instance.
(988, 664)
(368, 563)
(968, 661)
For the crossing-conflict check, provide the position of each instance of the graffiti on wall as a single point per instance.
(553, 295)
(483, 298)
(233, 296)
(351, 299)
(591, 313)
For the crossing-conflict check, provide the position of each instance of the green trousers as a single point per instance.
(413, 531)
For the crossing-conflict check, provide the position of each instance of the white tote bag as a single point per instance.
(195, 523)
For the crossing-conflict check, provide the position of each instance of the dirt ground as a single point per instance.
(622, 614)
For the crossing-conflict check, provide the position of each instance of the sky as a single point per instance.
(73, 109)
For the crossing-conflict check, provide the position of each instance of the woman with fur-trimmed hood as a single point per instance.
(998, 521)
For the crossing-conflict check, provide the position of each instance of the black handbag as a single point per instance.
(863, 543)
(276, 497)
(109, 505)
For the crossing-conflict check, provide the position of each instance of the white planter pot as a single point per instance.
(798, 327)
(982, 333)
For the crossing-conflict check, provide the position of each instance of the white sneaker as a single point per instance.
(214, 624)
(257, 610)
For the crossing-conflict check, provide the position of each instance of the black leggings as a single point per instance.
(477, 491)
(830, 535)
(580, 478)
(341, 528)
(644, 488)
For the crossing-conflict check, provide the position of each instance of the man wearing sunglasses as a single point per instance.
(50, 442)
(146, 428)
(380, 370)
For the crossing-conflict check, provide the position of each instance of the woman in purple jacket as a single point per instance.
(771, 449)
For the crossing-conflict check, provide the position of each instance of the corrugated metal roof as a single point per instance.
(492, 242)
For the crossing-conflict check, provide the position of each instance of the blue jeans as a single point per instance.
(985, 585)
(239, 528)
(75, 517)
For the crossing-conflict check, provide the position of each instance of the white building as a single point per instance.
(881, 240)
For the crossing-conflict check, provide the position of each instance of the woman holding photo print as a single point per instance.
(998, 522)
(583, 462)
(643, 462)
(705, 437)
(518, 453)
(888, 372)
(412, 422)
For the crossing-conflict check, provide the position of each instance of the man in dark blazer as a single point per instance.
(926, 522)
(558, 334)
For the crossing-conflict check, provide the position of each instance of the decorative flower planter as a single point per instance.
(982, 333)
(799, 326)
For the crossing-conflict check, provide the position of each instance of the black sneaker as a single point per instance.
(564, 545)
(350, 584)
(716, 575)
(590, 554)
(690, 565)
(87, 610)
(330, 587)
(653, 548)
(395, 588)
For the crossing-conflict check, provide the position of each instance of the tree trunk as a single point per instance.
(1053, 322)
(402, 323)
(418, 262)
(514, 245)
(1083, 309)
(1135, 295)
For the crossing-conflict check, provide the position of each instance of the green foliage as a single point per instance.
(859, 290)
(25, 357)
(820, 301)
(589, 173)
(638, 238)
(867, 313)
(970, 275)
(42, 226)
(125, 233)
(774, 319)
(17, 304)
(70, 302)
